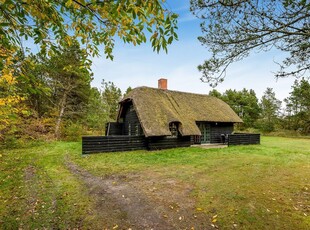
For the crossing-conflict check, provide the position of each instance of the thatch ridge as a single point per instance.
(156, 108)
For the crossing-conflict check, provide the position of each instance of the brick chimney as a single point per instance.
(162, 83)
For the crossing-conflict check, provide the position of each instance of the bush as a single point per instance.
(285, 133)
(38, 129)
(73, 131)
(10, 142)
(265, 126)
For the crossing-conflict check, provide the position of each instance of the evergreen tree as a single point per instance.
(270, 108)
(245, 104)
(215, 93)
(111, 95)
(97, 112)
(298, 106)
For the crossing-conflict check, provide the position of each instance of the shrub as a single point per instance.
(73, 131)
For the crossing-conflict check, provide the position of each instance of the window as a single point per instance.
(173, 127)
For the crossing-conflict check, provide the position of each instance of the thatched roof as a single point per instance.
(156, 108)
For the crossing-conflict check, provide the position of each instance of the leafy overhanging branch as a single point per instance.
(233, 29)
(91, 22)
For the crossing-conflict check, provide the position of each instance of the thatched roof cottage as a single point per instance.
(168, 118)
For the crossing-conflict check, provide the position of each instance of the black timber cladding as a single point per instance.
(164, 142)
(113, 128)
(217, 129)
(98, 144)
(243, 139)
(132, 124)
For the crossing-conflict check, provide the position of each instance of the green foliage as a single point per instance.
(64, 84)
(298, 107)
(10, 141)
(111, 95)
(73, 131)
(215, 93)
(12, 99)
(244, 103)
(97, 112)
(128, 90)
(232, 30)
(55, 83)
(270, 109)
(57, 98)
(58, 23)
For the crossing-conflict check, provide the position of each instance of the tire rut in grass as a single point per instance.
(40, 201)
(118, 203)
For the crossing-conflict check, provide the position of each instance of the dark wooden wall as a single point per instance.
(243, 139)
(131, 119)
(113, 128)
(100, 144)
(220, 128)
(216, 130)
(156, 143)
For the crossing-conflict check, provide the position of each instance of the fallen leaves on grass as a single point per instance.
(214, 219)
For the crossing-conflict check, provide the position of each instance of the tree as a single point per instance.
(245, 104)
(103, 106)
(97, 111)
(12, 106)
(298, 106)
(61, 84)
(34, 83)
(128, 90)
(215, 93)
(51, 24)
(270, 107)
(70, 81)
(111, 95)
(232, 29)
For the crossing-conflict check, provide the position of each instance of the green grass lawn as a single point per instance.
(246, 187)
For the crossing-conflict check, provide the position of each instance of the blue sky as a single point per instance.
(139, 66)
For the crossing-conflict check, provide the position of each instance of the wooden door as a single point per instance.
(205, 130)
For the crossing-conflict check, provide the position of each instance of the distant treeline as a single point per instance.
(268, 113)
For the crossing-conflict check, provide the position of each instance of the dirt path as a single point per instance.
(132, 202)
(123, 205)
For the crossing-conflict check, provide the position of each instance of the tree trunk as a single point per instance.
(61, 113)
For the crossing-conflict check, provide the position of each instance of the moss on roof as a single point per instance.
(156, 108)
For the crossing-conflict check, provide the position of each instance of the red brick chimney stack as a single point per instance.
(162, 83)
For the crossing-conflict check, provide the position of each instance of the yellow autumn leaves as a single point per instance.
(10, 100)
(7, 78)
(7, 82)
